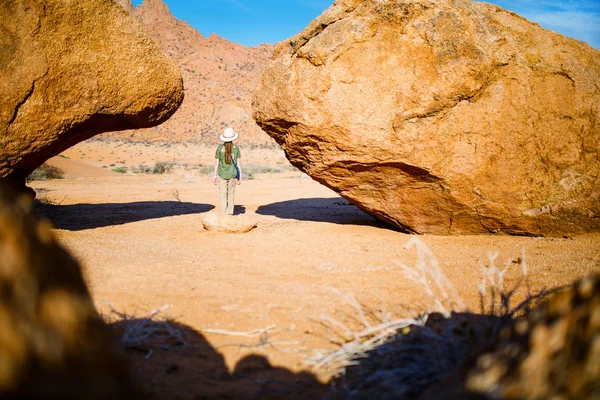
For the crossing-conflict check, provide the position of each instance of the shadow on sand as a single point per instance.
(76, 217)
(177, 362)
(186, 365)
(239, 210)
(333, 210)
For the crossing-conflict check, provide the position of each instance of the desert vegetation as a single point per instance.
(377, 354)
(45, 172)
(161, 167)
(252, 170)
(146, 333)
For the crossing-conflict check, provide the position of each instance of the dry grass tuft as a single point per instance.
(382, 357)
(45, 172)
(355, 344)
(148, 332)
(427, 269)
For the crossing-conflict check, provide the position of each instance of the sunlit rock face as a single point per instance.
(442, 117)
(70, 70)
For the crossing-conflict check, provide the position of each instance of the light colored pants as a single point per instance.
(226, 194)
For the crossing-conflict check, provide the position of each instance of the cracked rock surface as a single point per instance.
(441, 117)
(228, 223)
(73, 69)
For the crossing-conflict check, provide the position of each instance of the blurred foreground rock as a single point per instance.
(228, 223)
(53, 344)
(551, 353)
(71, 70)
(445, 117)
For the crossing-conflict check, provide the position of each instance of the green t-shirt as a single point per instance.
(227, 171)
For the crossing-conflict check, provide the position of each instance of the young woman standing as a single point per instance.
(227, 159)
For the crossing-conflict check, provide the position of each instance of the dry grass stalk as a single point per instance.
(145, 333)
(403, 356)
(249, 334)
(442, 293)
(175, 194)
(355, 343)
(495, 298)
(263, 341)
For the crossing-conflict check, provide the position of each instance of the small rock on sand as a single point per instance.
(228, 223)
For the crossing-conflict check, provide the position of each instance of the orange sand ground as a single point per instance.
(142, 249)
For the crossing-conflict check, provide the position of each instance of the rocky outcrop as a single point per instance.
(227, 223)
(75, 69)
(53, 344)
(127, 5)
(445, 117)
(218, 76)
(156, 12)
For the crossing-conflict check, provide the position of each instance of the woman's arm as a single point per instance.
(239, 165)
(215, 176)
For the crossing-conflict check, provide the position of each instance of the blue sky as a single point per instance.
(252, 22)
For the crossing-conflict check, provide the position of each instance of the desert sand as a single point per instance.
(249, 304)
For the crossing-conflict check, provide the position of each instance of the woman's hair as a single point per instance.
(228, 151)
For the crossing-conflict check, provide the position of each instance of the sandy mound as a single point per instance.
(76, 168)
(228, 223)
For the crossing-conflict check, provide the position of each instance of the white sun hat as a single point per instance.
(229, 135)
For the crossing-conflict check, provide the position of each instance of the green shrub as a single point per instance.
(161, 167)
(249, 172)
(141, 169)
(205, 169)
(120, 170)
(45, 172)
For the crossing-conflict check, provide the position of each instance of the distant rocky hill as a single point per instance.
(219, 77)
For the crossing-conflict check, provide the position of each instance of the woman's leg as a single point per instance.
(230, 195)
(222, 196)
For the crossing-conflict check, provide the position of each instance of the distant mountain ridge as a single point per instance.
(219, 77)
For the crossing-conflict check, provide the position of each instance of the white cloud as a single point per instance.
(239, 4)
(578, 25)
(579, 19)
(571, 20)
(564, 5)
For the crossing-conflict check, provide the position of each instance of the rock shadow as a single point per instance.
(76, 217)
(177, 362)
(239, 210)
(332, 210)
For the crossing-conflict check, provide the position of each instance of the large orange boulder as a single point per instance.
(73, 69)
(445, 117)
